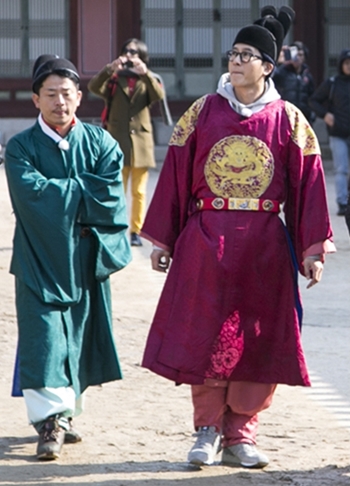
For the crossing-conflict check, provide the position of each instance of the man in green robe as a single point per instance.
(65, 183)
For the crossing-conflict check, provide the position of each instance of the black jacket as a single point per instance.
(294, 87)
(333, 96)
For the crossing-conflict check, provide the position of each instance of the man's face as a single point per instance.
(346, 67)
(250, 73)
(299, 59)
(58, 100)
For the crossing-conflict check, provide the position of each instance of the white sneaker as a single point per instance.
(245, 455)
(206, 446)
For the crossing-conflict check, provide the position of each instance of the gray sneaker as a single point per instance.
(245, 455)
(206, 446)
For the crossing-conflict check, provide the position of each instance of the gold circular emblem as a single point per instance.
(218, 203)
(267, 205)
(239, 166)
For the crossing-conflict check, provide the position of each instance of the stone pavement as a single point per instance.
(138, 431)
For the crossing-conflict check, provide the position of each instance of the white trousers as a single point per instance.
(41, 403)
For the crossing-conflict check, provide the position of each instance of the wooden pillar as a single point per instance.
(309, 28)
(128, 21)
(97, 30)
(96, 35)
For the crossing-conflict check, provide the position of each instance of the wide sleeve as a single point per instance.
(167, 213)
(306, 210)
(45, 235)
(169, 208)
(103, 206)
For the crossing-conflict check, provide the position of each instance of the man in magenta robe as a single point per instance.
(228, 320)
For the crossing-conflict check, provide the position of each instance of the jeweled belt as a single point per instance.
(238, 204)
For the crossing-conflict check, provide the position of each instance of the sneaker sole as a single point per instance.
(235, 462)
(71, 439)
(240, 464)
(48, 456)
(197, 461)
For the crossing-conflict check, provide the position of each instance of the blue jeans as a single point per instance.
(340, 153)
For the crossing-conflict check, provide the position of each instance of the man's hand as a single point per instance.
(117, 64)
(329, 119)
(313, 269)
(160, 260)
(139, 66)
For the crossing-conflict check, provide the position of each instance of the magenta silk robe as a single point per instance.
(229, 307)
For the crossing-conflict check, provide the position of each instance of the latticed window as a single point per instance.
(338, 33)
(29, 28)
(187, 39)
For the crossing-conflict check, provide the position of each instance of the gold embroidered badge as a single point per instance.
(187, 123)
(240, 167)
(302, 133)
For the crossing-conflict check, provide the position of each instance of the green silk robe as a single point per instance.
(62, 279)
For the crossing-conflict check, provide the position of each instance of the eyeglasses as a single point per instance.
(133, 52)
(244, 56)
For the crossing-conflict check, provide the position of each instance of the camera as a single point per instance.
(128, 64)
(290, 53)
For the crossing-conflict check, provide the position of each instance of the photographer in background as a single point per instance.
(293, 79)
(129, 88)
(331, 103)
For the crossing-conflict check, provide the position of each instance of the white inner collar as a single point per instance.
(62, 143)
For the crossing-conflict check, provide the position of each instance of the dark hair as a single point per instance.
(141, 49)
(62, 73)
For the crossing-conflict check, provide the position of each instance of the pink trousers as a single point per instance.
(231, 407)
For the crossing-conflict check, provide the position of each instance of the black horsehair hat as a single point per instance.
(51, 64)
(41, 60)
(267, 33)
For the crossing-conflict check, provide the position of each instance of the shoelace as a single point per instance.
(51, 432)
(203, 435)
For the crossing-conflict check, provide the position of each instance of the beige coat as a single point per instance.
(129, 120)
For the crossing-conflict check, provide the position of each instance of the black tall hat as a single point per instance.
(267, 33)
(52, 65)
(41, 60)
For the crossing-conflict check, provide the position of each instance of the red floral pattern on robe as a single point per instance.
(227, 349)
(234, 264)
